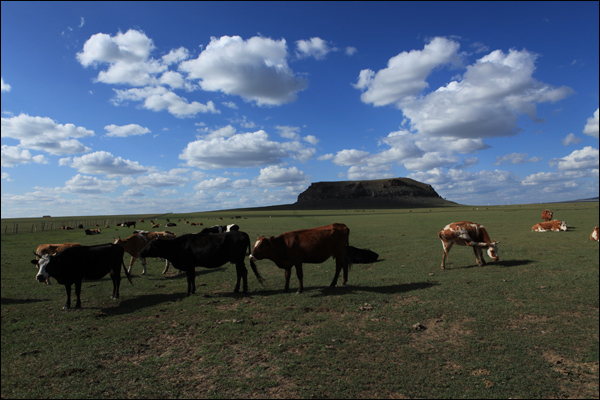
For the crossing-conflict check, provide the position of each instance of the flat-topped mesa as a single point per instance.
(395, 192)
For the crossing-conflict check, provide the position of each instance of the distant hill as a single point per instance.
(381, 193)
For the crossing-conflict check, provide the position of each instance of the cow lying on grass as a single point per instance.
(554, 226)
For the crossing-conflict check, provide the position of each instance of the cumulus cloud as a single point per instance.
(13, 155)
(485, 102)
(103, 163)
(218, 183)
(515, 158)
(570, 139)
(315, 47)
(274, 176)
(158, 98)
(255, 69)
(591, 127)
(251, 149)
(89, 185)
(174, 177)
(5, 87)
(586, 158)
(125, 130)
(44, 134)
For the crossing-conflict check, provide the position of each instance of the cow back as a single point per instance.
(85, 262)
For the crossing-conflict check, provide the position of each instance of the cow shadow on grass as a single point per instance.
(505, 264)
(139, 302)
(321, 291)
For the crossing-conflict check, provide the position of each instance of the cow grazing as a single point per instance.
(312, 246)
(465, 233)
(554, 226)
(44, 249)
(74, 264)
(92, 231)
(168, 224)
(186, 252)
(127, 224)
(547, 215)
(595, 234)
(136, 242)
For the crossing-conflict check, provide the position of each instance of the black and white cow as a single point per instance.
(74, 264)
(221, 229)
(186, 252)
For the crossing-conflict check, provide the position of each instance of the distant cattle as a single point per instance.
(74, 264)
(547, 215)
(186, 252)
(312, 246)
(465, 233)
(554, 226)
(168, 224)
(595, 234)
(127, 224)
(44, 249)
(155, 226)
(221, 229)
(68, 228)
(136, 242)
(92, 231)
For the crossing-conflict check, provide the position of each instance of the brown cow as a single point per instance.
(595, 234)
(547, 215)
(554, 226)
(465, 233)
(92, 231)
(306, 246)
(44, 249)
(136, 242)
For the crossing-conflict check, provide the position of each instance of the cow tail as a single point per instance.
(261, 280)
(349, 259)
(126, 272)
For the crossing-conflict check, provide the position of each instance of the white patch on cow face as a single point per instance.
(42, 275)
(563, 226)
(257, 243)
(493, 251)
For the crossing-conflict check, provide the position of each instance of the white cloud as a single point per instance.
(44, 134)
(350, 51)
(515, 158)
(126, 130)
(89, 185)
(591, 127)
(570, 139)
(218, 183)
(255, 69)
(586, 158)
(405, 73)
(274, 176)
(102, 162)
(13, 155)
(315, 47)
(159, 98)
(241, 150)
(5, 87)
(174, 177)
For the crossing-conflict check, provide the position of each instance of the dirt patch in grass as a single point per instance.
(579, 380)
(434, 332)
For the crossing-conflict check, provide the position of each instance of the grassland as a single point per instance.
(523, 327)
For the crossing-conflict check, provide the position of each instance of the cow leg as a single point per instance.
(300, 275)
(447, 246)
(242, 274)
(116, 279)
(478, 256)
(77, 293)
(191, 280)
(68, 303)
(287, 273)
(143, 260)
(131, 264)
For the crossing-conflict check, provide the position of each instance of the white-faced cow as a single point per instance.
(127, 224)
(595, 234)
(547, 215)
(554, 226)
(465, 233)
(312, 246)
(48, 248)
(136, 242)
(221, 229)
(74, 264)
(186, 252)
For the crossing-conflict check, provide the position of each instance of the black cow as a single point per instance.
(205, 250)
(221, 229)
(74, 264)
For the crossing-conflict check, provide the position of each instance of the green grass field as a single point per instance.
(523, 327)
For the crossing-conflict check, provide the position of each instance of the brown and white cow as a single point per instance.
(465, 233)
(311, 246)
(595, 234)
(92, 231)
(554, 226)
(136, 242)
(50, 249)
(547, 215)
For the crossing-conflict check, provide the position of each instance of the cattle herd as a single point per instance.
(71, 263)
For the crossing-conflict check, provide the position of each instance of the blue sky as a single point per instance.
(135, 108)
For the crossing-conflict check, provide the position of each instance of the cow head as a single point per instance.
(42, 274)
(261, 248)
(563, 226)
(492, 251)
